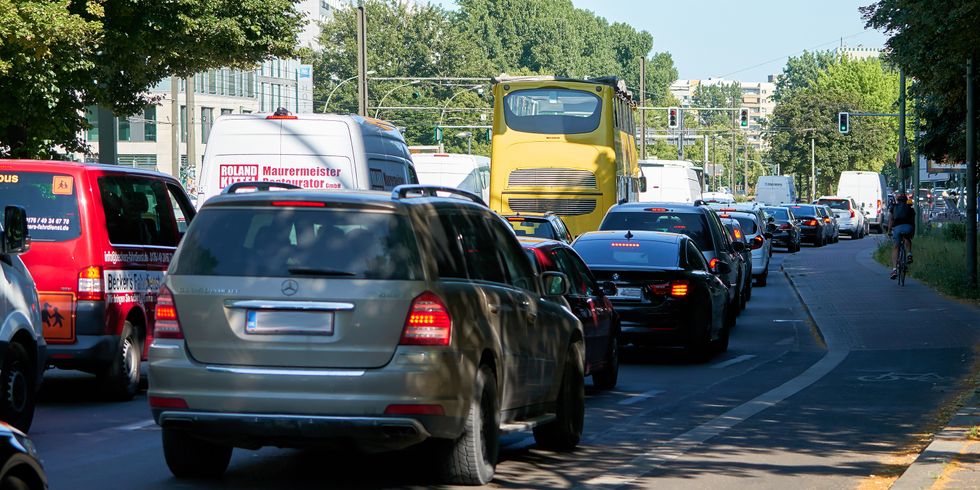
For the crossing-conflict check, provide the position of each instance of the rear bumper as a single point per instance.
(257, 406)
(664, 325)
(784, 239)
(88, 353)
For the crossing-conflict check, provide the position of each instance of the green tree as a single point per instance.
(58, 56)
(801, 72)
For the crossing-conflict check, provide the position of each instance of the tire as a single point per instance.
(742, 301)
(721, 344)
(565, 432)
(730, 318)
(609, 376)
(761, 280)
(121, 380)
(190, 457)
(18, 383)
(699, 345)
(14, 482)
(472, 458)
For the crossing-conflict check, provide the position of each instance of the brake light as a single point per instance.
(811, 222)
(625, 244)
(414, 410)
(728, 210)
(758, 242)
(167, 402)
(738, 234)
(826, 220)
(282, 117)
(90, 284)
(656, 210)
(713, 263)
(852, 213)
(678, 289)
(673, 288)
(879, 204)
(515, 219)
(428, 322)
(300, 204)
(785, 226)
(167, 326)
(724, 216)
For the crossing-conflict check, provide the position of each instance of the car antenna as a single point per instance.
(629, 235)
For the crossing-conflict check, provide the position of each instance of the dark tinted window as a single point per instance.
(841, 204)
(747, 224)
(803, 210)
(280, 242)
(533, 228)
(690, 224)
(50, 200)
(446, 250)
(627, 253)
(479, 248)
(780, 214)
(695, 261)
(552, 111)
(585, 280)
(518, 270)
(138, 211)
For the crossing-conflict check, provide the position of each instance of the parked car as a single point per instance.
(24, 352)
(850, 219)
(775, 190)
(363, 320)
(589, 302)
(670, 181)
(20, 465)
(868, 191)
(548, 226)
(830, 221)
(785, 231)
(754, 221)
(665, 293)
(736, 234)
(698, 222)
(812, 228)
(102, 237)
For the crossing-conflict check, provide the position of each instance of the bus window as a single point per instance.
(552, 111)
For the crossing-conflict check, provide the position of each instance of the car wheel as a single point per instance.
(121, 380)
(190, 457)
(741, 299)
(730, 317)
(609, 376)
(15, 482)
(565, 432)
(472, 457)
(18, 388)
(721, 344)
(699, 345)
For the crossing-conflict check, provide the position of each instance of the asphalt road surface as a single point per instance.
(787, 406)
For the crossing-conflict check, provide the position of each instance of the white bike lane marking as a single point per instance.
(735, 360)
(639, 397)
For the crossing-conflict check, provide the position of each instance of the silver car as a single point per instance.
(304, 318)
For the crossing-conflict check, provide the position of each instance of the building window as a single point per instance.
(207, 120)
(183, 124)
(150, 123)
(226, 111)
(93, 121)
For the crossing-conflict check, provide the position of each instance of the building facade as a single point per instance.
(756, 97)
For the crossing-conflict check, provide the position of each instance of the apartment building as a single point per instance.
(756, 97)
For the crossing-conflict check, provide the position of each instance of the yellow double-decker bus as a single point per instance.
(563, 145)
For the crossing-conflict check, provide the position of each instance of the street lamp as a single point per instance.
(382, 102)
(330, 96)
(467, 134)
(478, 88)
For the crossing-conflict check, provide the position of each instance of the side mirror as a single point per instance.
(771, 227)
(15, 239)
(643, 184)
(771, 219)
(555, 283)
(608, 288)
(768, 235)
(739, 247)
(721, 268)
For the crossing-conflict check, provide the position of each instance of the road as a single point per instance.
(789, 405)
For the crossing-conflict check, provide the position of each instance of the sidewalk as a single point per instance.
(850, 297)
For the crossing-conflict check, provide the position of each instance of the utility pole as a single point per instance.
(971, 174)
(191, 134)
(904, 171)
(174, 127)
(705, 159)
(813, 167)
(108, 132)
(362, 102)
(643, 103)
(745, 169)
(680, 133)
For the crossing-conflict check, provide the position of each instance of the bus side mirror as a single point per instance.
(643, 184)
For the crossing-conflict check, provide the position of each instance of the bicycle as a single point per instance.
(903, 264)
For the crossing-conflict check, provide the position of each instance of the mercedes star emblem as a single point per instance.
(615, 277)
(290, 287)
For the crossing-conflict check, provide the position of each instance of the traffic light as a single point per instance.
(672, 117)
(438, 134)
(743, 117)
(843, 122)
(487, 134)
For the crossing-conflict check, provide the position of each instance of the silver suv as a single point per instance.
(296, 318)
(22, 348)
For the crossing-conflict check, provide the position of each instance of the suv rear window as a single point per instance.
(533, 228)
(690, 224)
(779, 213)
(747, 224)
(51, 202)
(282, 242)
(635, 253)
(804, 210)
(841, 204)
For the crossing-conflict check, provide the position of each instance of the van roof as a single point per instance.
(368, 125)
(62, 166)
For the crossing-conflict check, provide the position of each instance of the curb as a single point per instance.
(814, 327)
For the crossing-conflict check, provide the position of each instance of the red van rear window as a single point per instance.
(50, 200)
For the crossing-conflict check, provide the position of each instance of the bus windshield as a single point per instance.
(552, 111)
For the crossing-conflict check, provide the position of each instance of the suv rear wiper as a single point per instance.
(311, 271)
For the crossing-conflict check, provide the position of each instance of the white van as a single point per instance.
(869, 192)
(465, 172)
(775, 190)
(670, 181)
(313, 151)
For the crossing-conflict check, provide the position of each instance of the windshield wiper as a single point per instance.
(311, 271)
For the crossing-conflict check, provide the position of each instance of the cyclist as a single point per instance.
(902, 224)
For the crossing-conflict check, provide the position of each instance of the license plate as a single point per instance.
(276, 322)
(629, 293)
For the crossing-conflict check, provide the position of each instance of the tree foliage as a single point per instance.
(58, 56)
(801, 72)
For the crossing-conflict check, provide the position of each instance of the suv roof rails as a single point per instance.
(401, 192)
(259, 186)
(700, 202)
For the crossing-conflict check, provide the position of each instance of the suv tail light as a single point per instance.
(90, 284)
(826, 220)
(852, 213)
(810, 222)
(428, 322)
(758, 242)
(167, 325)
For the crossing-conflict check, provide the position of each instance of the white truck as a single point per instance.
(775, 190)
(670, 181)
(869, 193)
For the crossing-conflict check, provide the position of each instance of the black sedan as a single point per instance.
(19, 465)
(812, 227)
(664, 292)
(588, 302)
(785, 231)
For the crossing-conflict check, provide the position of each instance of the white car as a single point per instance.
(753, 220)
(23, 354)
(850, 220)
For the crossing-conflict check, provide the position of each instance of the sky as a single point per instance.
(744, 40)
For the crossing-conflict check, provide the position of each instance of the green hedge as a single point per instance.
(940, 260)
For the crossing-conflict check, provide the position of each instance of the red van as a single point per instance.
(102, 238)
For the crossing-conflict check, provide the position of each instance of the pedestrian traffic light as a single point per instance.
(843, 122)
(438, 134)
(743, 117)
(672, 117)
(487, 135)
